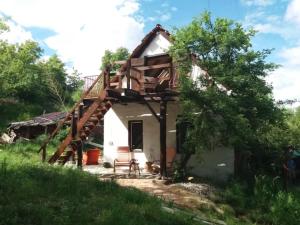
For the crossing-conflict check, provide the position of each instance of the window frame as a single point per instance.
(130, 137)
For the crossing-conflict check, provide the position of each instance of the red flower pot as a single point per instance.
(93, 156)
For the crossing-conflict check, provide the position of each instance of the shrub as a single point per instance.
(265, 189)
(60, 136)
(236, 195)
(285, 209)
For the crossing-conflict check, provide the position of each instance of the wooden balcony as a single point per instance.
(147, 75)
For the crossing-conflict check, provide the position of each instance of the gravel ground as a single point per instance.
(197, 188)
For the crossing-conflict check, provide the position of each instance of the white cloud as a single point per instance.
(174, 9)
(83, 29)
(165, 17)
(16, 33)
(286, 79)
(286, 82)
(293, 12)
(151, 18)
(291, 56)
(258, 2)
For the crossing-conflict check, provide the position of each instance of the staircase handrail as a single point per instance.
(61, 123)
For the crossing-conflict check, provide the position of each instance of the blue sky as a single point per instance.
(79, 31)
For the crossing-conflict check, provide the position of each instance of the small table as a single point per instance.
(135, 165)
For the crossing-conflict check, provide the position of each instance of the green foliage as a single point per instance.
(285, 209)
(110, 58)
(235, 195)
(61, 135)
(266, 204)
(3, 26)
(36, 193)
(230, 104)
(293, 122)
(30, 84)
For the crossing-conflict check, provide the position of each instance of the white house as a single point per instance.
(132, 122)
(139, 106)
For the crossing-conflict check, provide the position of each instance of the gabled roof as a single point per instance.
(158, 29)
(148, 39)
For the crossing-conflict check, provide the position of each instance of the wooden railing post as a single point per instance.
(80, 110)
(74, 125)
(128, 74)
(163, 135)
(171, 81)
(44, 153)
(79, 147)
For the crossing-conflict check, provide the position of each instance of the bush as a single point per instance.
(266, 203)
(236, 195)
(285, 209)
(265, 189)
(60, 136)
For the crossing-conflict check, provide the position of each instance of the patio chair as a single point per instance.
(124, 159)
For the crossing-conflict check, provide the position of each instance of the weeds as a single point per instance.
(266, 203)
(35, 193)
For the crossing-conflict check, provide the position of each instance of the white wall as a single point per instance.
(159, 45)
(217, 164)
(116, 133)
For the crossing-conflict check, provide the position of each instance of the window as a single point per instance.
(135, 135)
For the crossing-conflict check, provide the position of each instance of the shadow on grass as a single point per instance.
(39, 194)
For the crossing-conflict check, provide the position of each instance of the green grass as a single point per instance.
(265, 203)
(36, 193)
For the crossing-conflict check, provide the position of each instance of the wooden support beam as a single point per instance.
(171, 71)
(132, 93)
(128, 74)
(80, 110)
(163, 137)
(79, 147)
(138, 61)
(107, 78)
(44, 153)
(120, 62)
(152, 110)
(74, 125)
(159, 66)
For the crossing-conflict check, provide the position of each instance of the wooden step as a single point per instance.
(94, 121)
(91, 126)
(81, 123)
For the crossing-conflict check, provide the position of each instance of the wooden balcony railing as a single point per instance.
(99, 86)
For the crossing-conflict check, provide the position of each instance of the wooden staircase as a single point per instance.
(85, 125)
(84, 118)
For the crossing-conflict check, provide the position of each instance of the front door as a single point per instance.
(135, 134)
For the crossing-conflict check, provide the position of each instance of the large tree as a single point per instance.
(230, 103)
(110, 58)
(30, 85)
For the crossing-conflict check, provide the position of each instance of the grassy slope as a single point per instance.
(33, 193)
(36, 193)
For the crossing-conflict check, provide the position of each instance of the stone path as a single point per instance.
(179, 194)
(171, 193)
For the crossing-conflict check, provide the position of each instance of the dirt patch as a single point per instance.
(184, 195)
